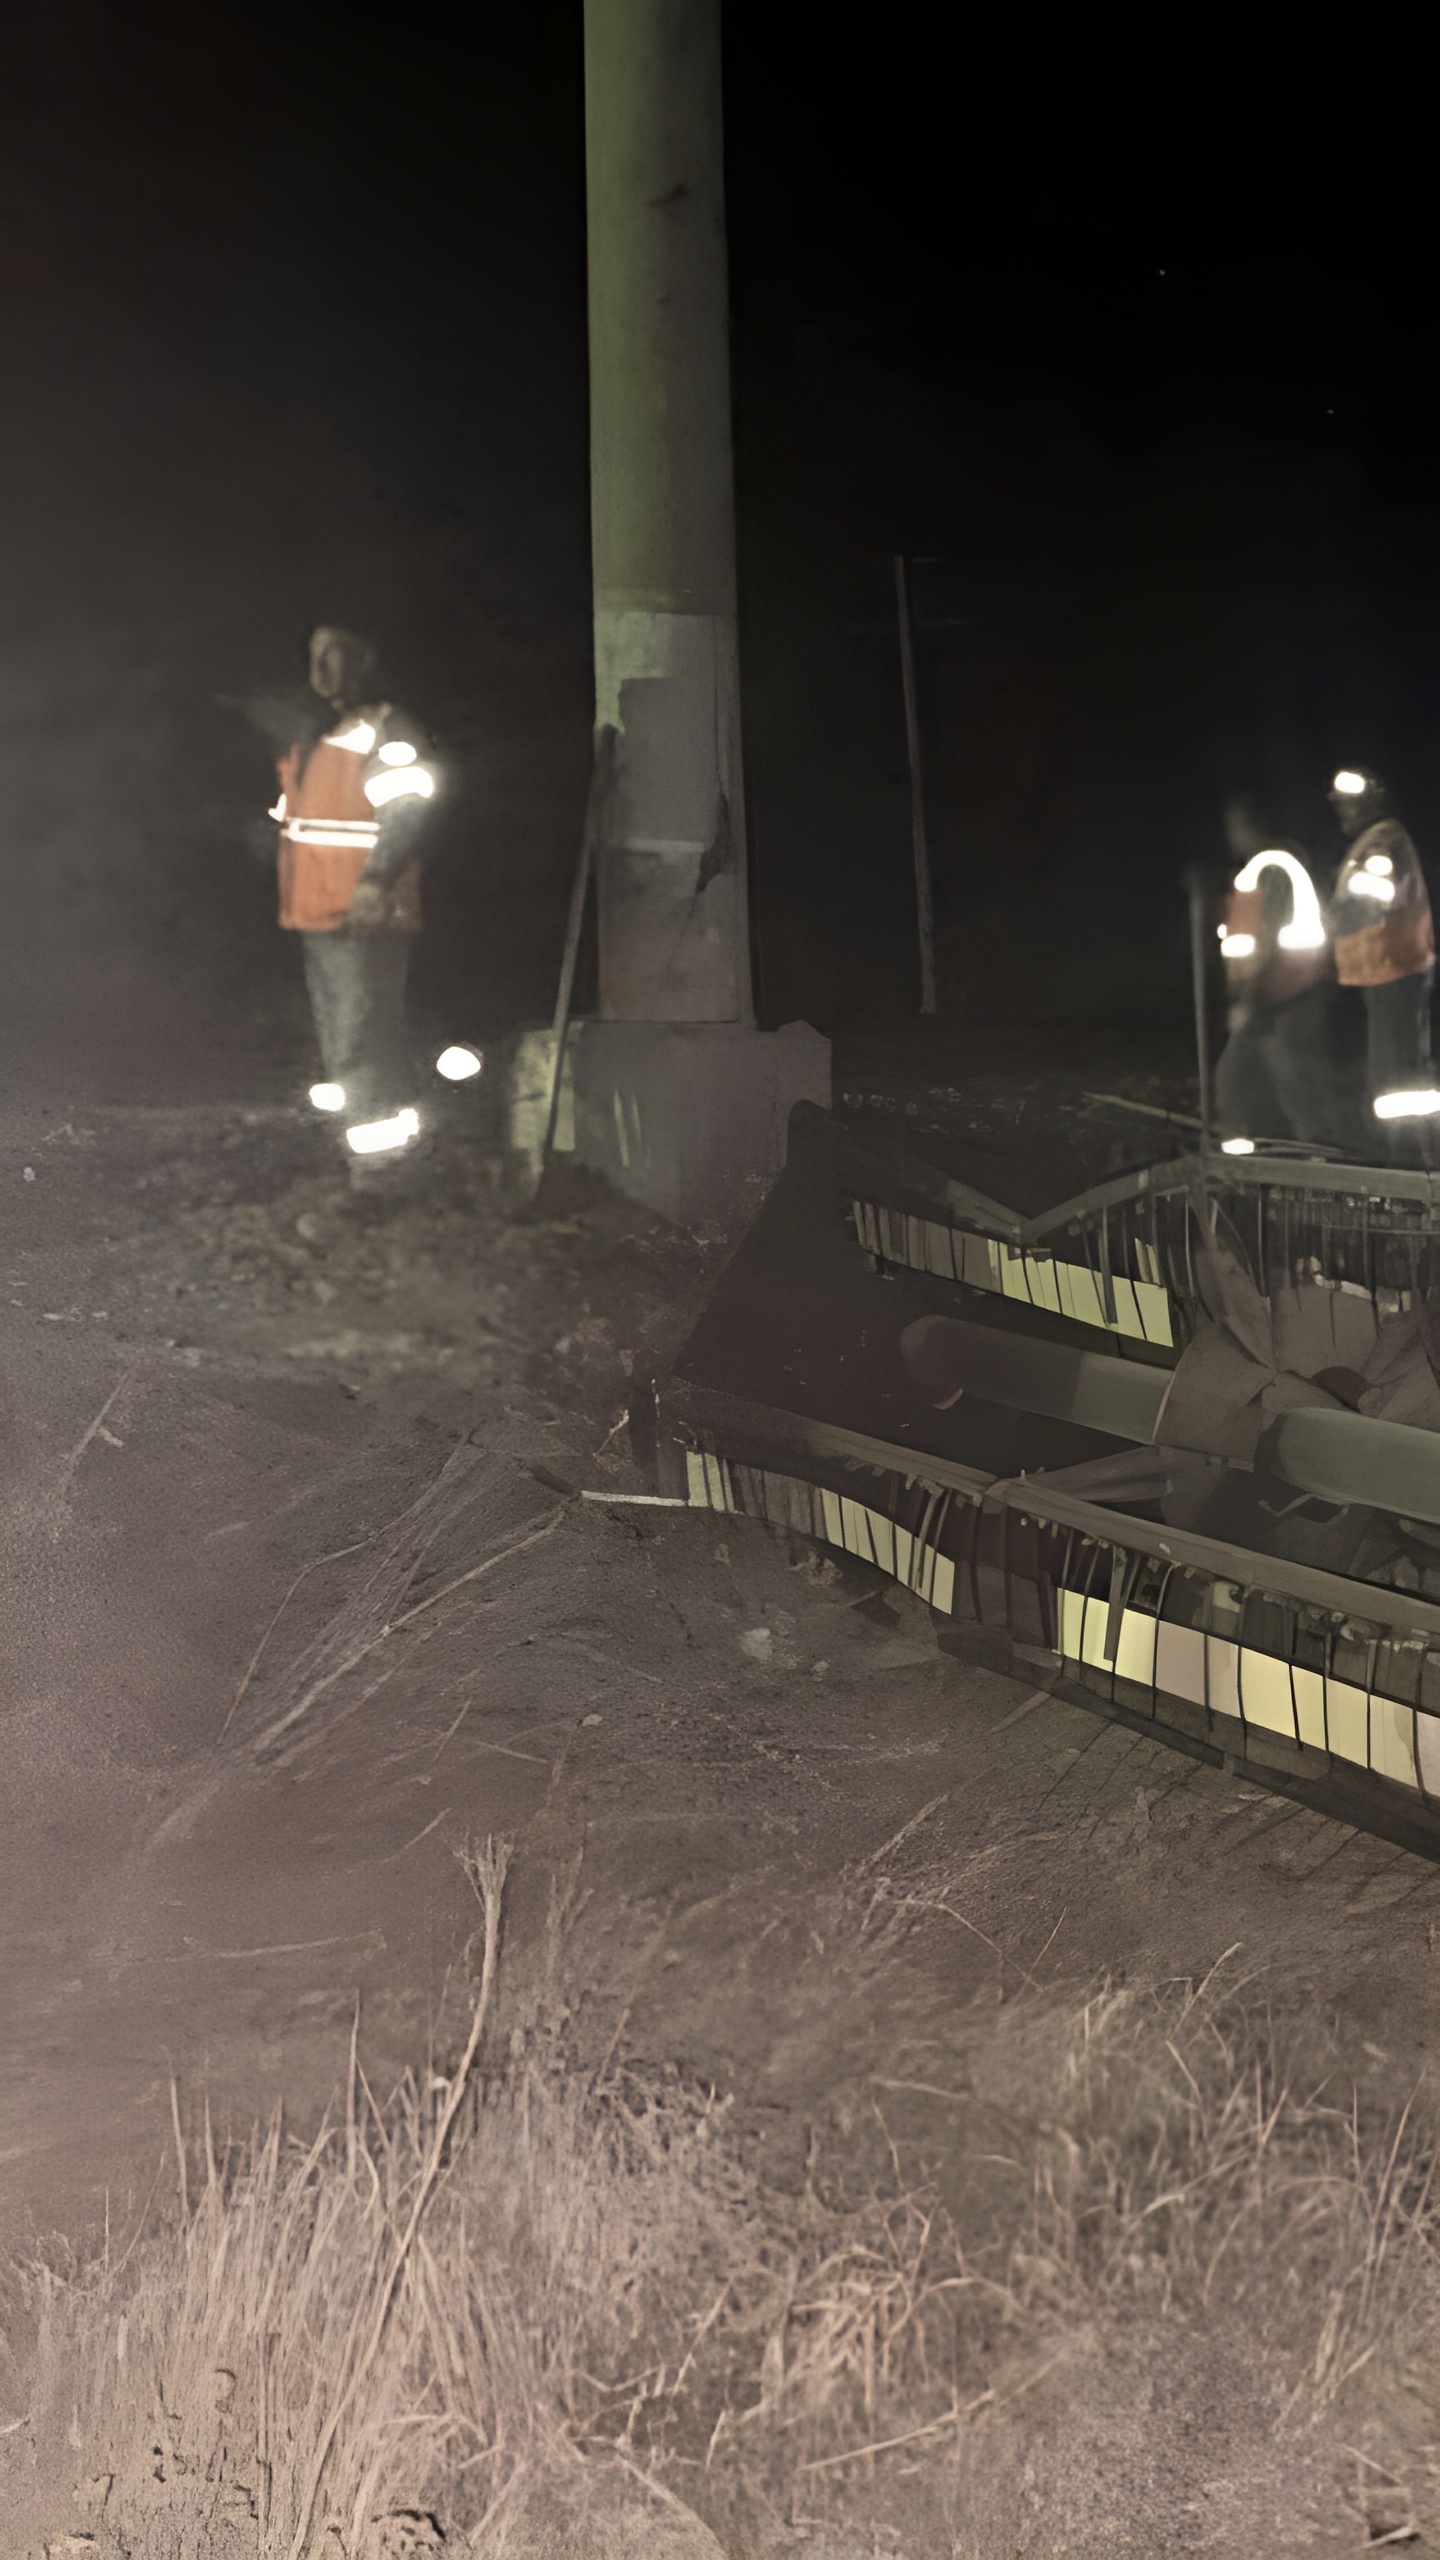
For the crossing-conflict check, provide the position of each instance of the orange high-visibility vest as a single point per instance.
(1381, 907)
(329, 828)
(1256, 963)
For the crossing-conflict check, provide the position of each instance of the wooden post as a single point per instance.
(1199, 954)
(924, 903)
(595, 799)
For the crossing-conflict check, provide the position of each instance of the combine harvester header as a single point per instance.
(1181, 1431)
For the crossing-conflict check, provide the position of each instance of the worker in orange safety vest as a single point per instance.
(1291, 1068)
(1385, 946)
(351, 798)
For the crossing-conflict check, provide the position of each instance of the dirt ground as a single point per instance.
(256, 1425)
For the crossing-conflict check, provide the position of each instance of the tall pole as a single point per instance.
(924, 903)
(1199, 954)
(670, 862)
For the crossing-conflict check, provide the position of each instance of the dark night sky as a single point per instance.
(1116, 346)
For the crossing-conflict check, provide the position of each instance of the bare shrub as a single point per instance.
(291, 1709)
(532, 2281)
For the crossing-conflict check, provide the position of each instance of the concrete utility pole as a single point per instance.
(679, 1100)
(674, 932)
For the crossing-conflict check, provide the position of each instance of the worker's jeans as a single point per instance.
(1294, 1070)
(356, 982)
(1398, 1023)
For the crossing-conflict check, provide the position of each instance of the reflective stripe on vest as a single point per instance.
(347, 831)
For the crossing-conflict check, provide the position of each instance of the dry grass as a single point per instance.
(540, 2282)
(1204, 2156)
(282, 1710)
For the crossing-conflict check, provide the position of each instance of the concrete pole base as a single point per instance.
(687, 1118)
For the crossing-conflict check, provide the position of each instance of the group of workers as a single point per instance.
(1329, 997)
